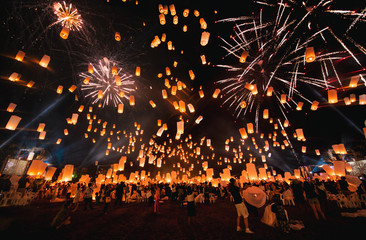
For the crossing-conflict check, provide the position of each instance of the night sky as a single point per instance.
(28, 26)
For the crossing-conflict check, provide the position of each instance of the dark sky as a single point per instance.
(24, 26)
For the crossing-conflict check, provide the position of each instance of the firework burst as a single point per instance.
(68, 16)
(273, 61)
(106, 83)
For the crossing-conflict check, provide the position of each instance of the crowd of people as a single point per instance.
(311, 192)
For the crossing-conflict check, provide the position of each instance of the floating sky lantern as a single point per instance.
(205, 36)
(13, 122)
(20, 56)
(117, 36)
(45, 61)
(309, 54)
(11, 107)
(314, 106)
(332, 96)
(64, 34)
(216, 93)
(243, 56)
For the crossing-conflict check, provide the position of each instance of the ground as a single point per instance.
(138, 221)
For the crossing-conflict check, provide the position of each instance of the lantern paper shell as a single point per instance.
(332, 96)
(42, 135)
(37, 168)
(67, 172)
(162, 19)
(354, 81)
(185, 12)
(362, 99)
(283, 98)
(216, 93)
(117, 36)
(72, 89)
(49, 173)
(59, 89)
(45, 61)
(13, 122)
(309, 55)
(41, 127)
(20, 56)
(64, 34)
(252, 171)
(314, 106)
(14, 77)
(204, 38)
(90, 68)
(339, 168)
(11, 107)
(243, 56)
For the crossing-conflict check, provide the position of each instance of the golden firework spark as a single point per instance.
(68, 16)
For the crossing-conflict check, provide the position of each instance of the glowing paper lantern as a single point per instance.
(20, 56)
(11, 107)
(30, 84)
(332, 96)
(14, 77)
(204, 38)
(162, 19)
(243, 104)
(100, 94)
(58, 141)
(243, 56)
(314, 105)
(309, 54)
(164, 93)
(201, 93)
(283, 98)
(73, 87)
(65, 32)
(138, 71)
(252, 171)
(153, 105)
(269, 91)
(250, 128)
(90, 68)
(299, 106)
(339, 168)
(354, 81)
(317, 152)
(286, 123)
(300, 134)
(172, 9)
(41, 127)
(347, 101)
(117, 36)
(203, 59)
(132, 100)
(42, 135)
(191, 108)
(49, 173)
(199, 119)
(185, 12)
(13, 122)
(262, 174)
(191, 75)
(45, 61)
(203, 23)
(37, 168)
(352, 97)
(265, 114)
(362, 99)
(216, 93)
(243, 133)
(67, 172)
(120, 108)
